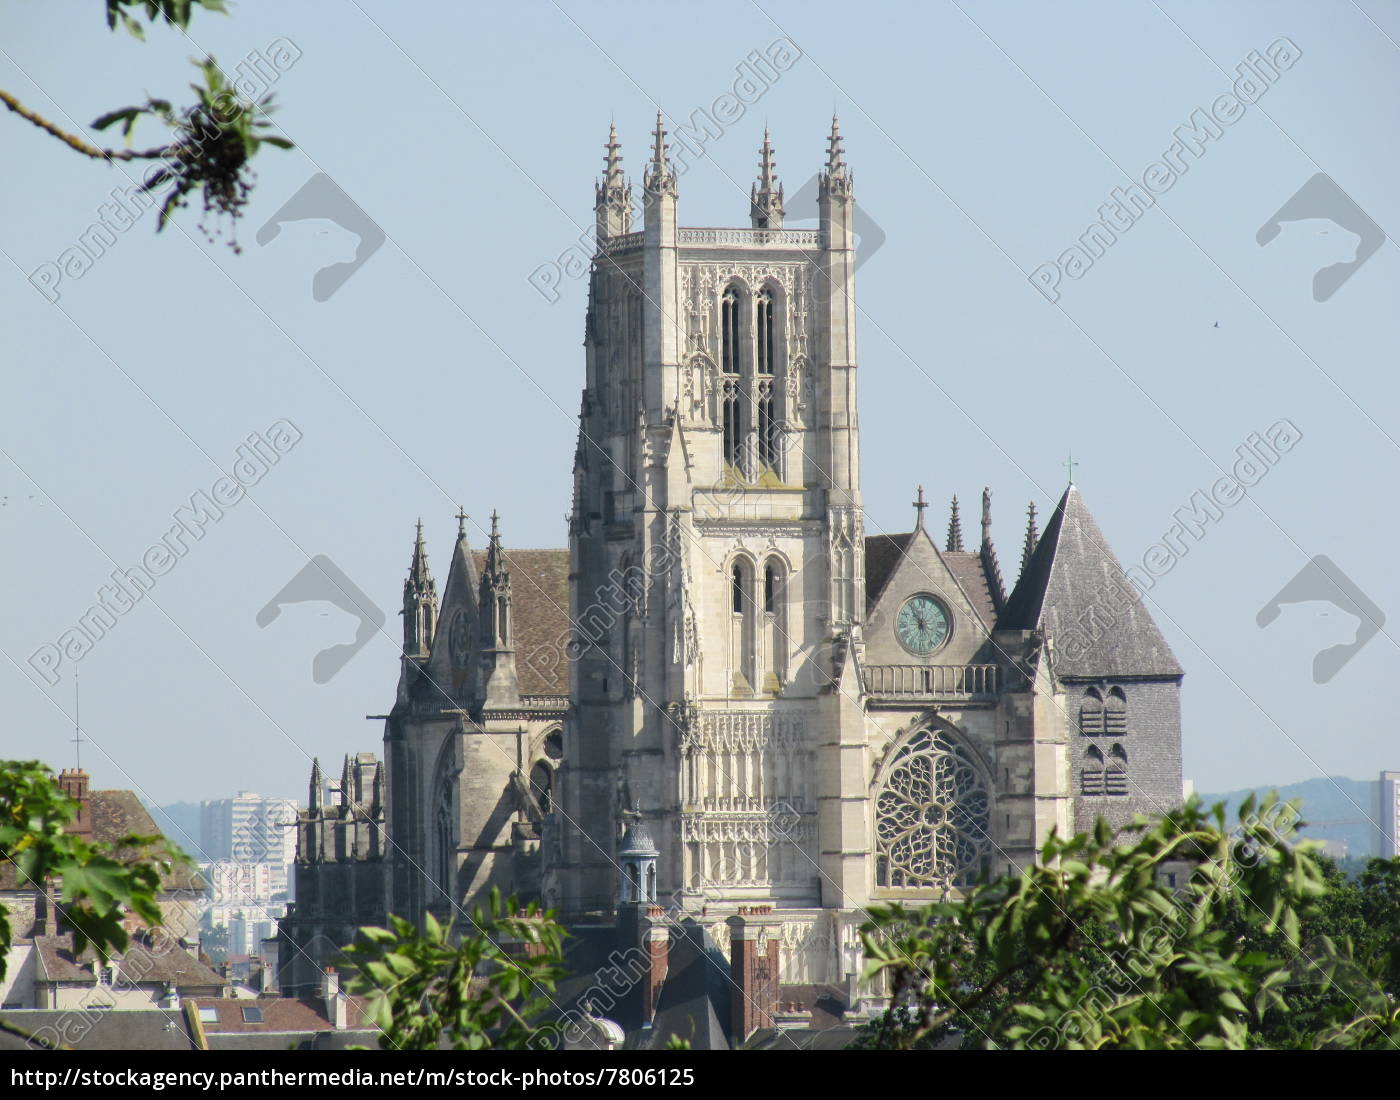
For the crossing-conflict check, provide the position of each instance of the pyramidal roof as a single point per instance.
(1075, 590)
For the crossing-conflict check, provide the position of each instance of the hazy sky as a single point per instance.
(984, 138)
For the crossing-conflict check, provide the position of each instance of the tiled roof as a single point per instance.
(146, 960)
(278, 1014)
(882, 553)
(116, 814)
(539, 587)
(967, 570)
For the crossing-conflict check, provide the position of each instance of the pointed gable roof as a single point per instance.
(1075, 590)
(883, 554)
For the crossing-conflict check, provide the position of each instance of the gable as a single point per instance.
(908, 564)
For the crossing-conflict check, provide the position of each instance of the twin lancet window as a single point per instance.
(758, 627)
(1104, 770)
(749, 415)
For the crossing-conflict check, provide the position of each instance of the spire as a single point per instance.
(1032, 537)
(420, 580)
(659, 178)
(318, 786)
(766, 196)
(461, 523)
(502, 687)
(612, 196)
(955, 542)
(836, 176)
(919, 505)
(987, 552)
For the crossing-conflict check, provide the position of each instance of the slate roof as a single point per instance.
(117, 1029)
(1075, 590)
(882, 554)
(694, 1000)
(539, 589)
(146, 960)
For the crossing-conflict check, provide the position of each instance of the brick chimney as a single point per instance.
(753, 968)
(74, 783)
(336, 1009)
(656, 943)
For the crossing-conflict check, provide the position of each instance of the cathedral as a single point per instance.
(724, 704)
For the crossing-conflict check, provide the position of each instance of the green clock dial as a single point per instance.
(922, 624)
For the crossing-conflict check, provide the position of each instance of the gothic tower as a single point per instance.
(717, 551)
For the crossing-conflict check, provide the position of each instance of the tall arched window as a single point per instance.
(733, 426)
(742, 635)
(445, 841)
(763, 329)
(729, 331)
(774, 627)
(767, 427)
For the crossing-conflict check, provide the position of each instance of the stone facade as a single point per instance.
(801, 718)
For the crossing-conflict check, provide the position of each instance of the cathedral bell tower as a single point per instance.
(717, 550)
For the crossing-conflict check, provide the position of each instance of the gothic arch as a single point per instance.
(932, 805)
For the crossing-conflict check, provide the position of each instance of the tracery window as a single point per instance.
(767, 427)
(729, 331)
(733, 425)
(763, 325)
(445, 842)
(932, 817)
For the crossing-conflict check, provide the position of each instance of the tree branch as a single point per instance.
(76, 143)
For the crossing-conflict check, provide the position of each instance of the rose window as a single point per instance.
(933, 816)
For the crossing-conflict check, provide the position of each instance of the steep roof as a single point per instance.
(1075, 590)
(539, 594)
(147, 959)
(882, 554)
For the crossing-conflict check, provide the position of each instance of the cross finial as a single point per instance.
(461, 522)
(1070, 464)
(919, 505)
(494, 519)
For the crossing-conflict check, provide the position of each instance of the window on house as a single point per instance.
(252, 1014)
(208, 1014)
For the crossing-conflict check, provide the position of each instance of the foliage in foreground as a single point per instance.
(1258, 944)
(212, 141)
(476, 988)
(99, 882)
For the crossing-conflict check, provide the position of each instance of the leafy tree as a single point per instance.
(214, 139)
(486, 988)
(99, 883)
(1178, 933)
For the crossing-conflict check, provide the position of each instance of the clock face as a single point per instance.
(922, 624)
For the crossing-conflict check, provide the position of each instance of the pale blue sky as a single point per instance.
(983, 138)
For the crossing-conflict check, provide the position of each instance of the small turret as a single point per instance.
(636, 857)
(836, 177)
(612, 202)
(766, 196)
(497, 634)
(419, 602)
(660, 179)
(955, 539)
(316, 796)
(987, 552)
(1032, 537)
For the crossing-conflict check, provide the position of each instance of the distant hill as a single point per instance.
(180, 823)
(1348, 802)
